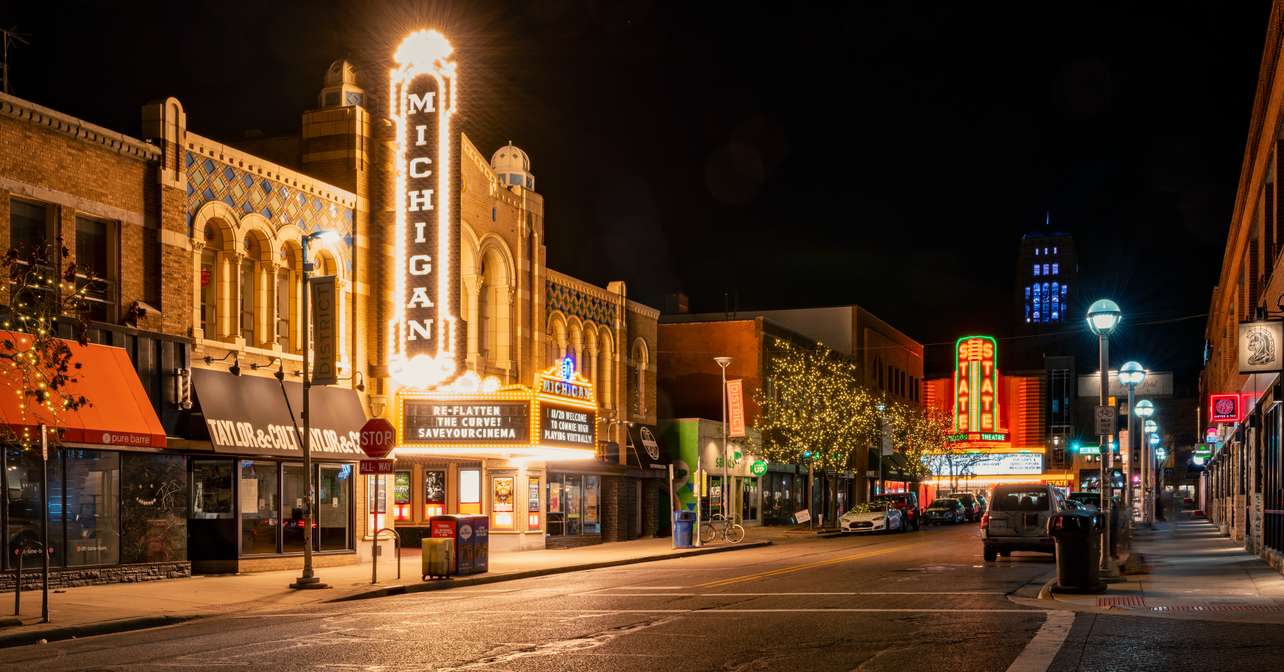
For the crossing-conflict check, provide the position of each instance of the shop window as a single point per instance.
(470, 491)
(22, 502)
(153, 517)
(749, 499)
(334, 494)
(377, 500)
(401, 497)
(260, 507)
(95, 262)
(212, 489)
(434, 493)
(533, 508)
(31, 228)
(293, 500)
(592, 505)
(503, 502)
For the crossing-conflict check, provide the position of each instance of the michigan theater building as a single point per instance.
(517, 392)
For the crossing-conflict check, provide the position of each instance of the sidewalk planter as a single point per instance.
(1078, 540)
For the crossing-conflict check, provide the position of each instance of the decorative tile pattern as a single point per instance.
(572, 301)
(209, 180)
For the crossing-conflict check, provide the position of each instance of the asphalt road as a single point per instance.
(921, 601)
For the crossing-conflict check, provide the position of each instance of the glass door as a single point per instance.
(334, 494)
(293, 494)
(556, 507)
(571, 494)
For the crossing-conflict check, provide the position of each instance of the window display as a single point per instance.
(153, 507)
(503, 502)
(532, 504)
(401, 497)
(574, 504)
(211, 489)
(434, 493)
(470, 491)
(333, 509)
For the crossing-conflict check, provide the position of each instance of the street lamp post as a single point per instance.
(724, 362)
(1144, 410)
(1148, 485)
(308, 579)
(1103, 316)
(1131, 374)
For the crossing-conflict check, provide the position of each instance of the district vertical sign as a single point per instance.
(424, 347)
(325, 329)
(736, 407)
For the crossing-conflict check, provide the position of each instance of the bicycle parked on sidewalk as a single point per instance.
(731, 531)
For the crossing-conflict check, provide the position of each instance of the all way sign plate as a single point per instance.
(377, 467)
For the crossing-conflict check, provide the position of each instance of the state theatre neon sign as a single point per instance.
(424, 347)
(976, 390)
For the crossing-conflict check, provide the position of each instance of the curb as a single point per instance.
(1045, 593)
(447, 584)
(91, 629)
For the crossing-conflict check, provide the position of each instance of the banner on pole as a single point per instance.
(325, 330)
(736, 407)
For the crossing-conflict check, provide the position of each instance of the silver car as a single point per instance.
(1018, 519)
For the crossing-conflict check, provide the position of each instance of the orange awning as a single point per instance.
(118, 413)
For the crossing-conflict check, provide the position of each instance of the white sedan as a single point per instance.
(881, 520)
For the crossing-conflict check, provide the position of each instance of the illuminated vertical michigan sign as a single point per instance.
(423, 348)
(976, 384)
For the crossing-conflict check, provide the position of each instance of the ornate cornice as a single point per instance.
(24, 110)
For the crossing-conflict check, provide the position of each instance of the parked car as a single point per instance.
(880, 518)
(1091, 500)
(945, 510)
(907, 502)
(1018, 520)
(971, 505)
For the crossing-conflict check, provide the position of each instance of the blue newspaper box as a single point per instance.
(472, 540)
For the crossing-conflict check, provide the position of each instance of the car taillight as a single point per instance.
(985, 519)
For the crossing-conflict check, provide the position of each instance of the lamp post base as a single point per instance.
(308, 583)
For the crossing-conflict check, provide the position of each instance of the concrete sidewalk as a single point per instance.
(90, 610)
(1187, 569)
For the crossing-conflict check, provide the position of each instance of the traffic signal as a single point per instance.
(806, 455)
(1074, 446)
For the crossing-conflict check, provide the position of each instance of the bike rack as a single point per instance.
(374, 556)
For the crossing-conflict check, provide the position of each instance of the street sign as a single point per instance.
(1107, 418)
(325, 330)
(378, 438)
(758, 468)
(378, 466)
(736, 407)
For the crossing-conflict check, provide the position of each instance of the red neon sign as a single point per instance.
(1224, 408)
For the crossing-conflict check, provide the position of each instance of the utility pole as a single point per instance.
(8, 35)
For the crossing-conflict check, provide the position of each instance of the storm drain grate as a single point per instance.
(1121, 601)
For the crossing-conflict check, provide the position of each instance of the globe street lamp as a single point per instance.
(307, 579)
(1103, 316)
(1144, 410)
(1148, 483)
(1131, 374)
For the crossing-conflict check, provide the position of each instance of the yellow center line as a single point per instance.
(862, 555)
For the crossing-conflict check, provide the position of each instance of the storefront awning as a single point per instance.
(118, 414)
(645, 449)
(248, 415)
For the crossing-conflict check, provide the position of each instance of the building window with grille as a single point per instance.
(95, 266)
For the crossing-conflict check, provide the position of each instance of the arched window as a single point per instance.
(493, 310)
(641, 360)
(289, 298)
(556, 342)
(605, 358)
(210, 255)
(252, 285)
(216, 279)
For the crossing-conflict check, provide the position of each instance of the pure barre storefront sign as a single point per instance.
(425, 348)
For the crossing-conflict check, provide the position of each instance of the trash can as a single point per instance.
(438, 557)
(683, 524)
(471, 537)
(1078, 540)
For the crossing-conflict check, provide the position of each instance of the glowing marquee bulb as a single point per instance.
(423, 349)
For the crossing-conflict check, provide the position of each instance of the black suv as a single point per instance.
(907, 502)
(971, 505)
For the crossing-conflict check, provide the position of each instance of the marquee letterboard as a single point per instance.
(566, 426)
(466, 422)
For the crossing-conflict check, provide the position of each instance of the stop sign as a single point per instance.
(378, 438)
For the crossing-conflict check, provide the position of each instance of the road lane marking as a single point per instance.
(796, 594)
(732, 610)
(862, 555)
(1038, 654)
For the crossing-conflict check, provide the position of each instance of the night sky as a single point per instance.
(888, 154)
